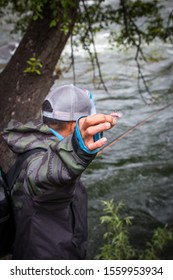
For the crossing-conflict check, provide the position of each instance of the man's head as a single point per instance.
(64, 105)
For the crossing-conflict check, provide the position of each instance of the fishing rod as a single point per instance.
(131, 129)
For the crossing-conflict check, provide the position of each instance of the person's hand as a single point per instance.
(91, 125)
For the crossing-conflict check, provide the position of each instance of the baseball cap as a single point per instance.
(68, 103)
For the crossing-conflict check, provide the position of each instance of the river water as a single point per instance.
(138, 170)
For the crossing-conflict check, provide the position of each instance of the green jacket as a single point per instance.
(50, 203)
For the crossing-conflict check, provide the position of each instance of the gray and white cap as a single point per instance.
(68, 103)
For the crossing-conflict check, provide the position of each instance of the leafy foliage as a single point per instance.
(34, 66)
(160, 239)
(116, 241)
(101, 16)
(116, 238)
(126, 22)
(25, 10)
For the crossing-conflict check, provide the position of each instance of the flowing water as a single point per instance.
(138, 170)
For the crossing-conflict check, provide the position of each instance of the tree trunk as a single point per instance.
(21, 94)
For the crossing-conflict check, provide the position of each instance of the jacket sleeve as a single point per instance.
(60, 165)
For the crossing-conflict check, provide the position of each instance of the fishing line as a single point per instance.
(131, 129)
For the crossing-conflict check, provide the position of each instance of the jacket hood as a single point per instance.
(23, 137)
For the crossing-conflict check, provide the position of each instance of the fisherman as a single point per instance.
(49, 200)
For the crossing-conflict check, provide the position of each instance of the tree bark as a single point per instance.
(21, 94)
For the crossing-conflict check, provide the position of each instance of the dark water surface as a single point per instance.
(138, 170)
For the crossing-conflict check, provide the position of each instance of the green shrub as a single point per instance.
(161, 238)
(116, 238)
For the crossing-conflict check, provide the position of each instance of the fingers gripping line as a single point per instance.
(91, 126)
